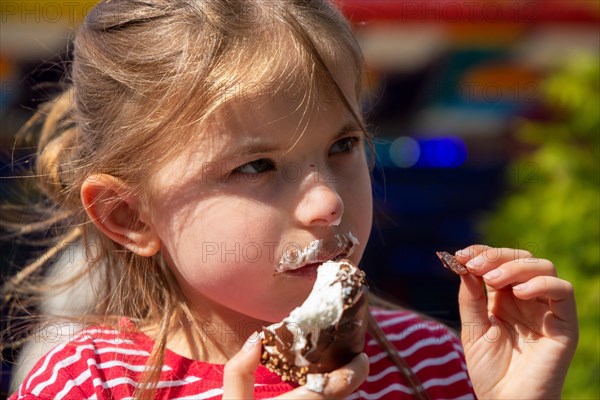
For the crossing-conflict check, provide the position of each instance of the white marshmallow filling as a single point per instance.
(322, 308)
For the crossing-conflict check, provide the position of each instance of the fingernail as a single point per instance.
(520, 286)
(493, 274)
(316, 382)
(251, 342)
(475, 263)
(462, 253)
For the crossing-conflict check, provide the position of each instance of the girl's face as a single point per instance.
(267, 178)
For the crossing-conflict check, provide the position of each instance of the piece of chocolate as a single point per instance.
(326, 332)
(450, 262)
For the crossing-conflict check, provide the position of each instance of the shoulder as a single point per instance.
(431, 350)
(73, 369)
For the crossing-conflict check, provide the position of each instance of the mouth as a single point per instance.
(316, 253)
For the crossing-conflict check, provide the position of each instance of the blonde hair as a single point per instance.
(143, 75)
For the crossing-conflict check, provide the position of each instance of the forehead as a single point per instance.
(295, 98)
(278, 118)
(296, 81)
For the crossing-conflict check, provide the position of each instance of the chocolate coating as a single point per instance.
(450, 262)
(337, 343)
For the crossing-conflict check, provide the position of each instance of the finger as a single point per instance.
(493, 257)
(238, 374)
(340, 383)
(558, 291)
(518, 271)
(472, 304)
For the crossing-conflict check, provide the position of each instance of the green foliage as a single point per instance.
(552, 204)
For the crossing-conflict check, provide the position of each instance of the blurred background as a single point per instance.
(487, 123)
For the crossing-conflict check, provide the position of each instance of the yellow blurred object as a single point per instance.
(484, 34)
(6, 67)
(30, 11)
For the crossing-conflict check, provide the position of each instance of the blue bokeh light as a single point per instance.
(442, 152)
(415, 152)
(404, 152)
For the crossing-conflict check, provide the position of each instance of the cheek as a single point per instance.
(225, 251)
(222, 231)
(359, 204)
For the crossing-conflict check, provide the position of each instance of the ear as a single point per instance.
(115, 212)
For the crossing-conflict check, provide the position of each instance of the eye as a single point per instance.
(256, 167)
(345, 145)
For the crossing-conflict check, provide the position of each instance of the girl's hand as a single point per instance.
(238, 376)
(519, 339)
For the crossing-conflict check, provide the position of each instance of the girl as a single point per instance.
(198, 145)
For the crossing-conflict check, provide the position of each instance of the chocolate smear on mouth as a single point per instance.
(336, 345)
(450, 262)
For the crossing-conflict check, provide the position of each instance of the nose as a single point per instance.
(320, 206)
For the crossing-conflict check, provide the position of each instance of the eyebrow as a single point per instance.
(262, 148)
(351, 126)
(258, 148)
(267, 148)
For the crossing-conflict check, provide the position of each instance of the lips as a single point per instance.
(318, 252)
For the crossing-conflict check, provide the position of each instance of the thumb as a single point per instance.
(472, 304)
(238, 374)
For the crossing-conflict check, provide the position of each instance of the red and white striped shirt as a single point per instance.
(107, 363)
